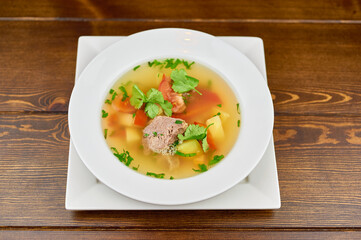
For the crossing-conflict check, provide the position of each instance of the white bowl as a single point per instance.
(98, 77)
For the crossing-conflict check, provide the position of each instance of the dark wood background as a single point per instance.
(313, 57)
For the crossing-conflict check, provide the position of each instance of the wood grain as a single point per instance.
(186, 9)
(312, 68)
(182, 234)
(318, 164)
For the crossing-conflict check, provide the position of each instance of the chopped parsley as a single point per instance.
(202, 168)
(205, 144)
(239, 123)
(105, 133)
(238, 109)
(133, 115)
(159, 175)
(146, 135)
(136, 67)
(123, 157)
(185, 155)
(218, 113)
(152, 101)
(219, 105)
(108, 101)
(178, 122)
(215, 159)
(104, 114)
(111, 91)
(125, 94)
(114, 95)
(155, 63)
(171, 178)
(135, 168)
(182, 82)
(170, 63)
(155, 134)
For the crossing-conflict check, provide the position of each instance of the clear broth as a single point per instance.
(176, 167)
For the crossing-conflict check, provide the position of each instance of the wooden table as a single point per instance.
(313, 57)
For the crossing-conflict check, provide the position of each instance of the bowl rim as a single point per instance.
(161, 191)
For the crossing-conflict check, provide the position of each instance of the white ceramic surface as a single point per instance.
(99, 76)
(259, 190)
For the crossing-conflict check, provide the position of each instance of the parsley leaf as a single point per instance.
(125, 94)
(202, 168)
(216, 159)
(182, 82)
(178, 122)
(205, 144)
(154, 96)
(138, 97)
(167, 107)
(194, 132)
(105, 133)
(136, 67)
(151, 100)
(152, 110)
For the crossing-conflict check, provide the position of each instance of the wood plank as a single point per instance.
(318, 163)
(312, 68)
(186, 9)
(180, 234)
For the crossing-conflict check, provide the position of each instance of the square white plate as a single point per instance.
(259, 190)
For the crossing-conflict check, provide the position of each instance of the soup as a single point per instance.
(170, 119)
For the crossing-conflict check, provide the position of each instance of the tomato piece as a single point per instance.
(140, 118)
(168, 93)
(197, 103)
(122, 106)
(210, 140)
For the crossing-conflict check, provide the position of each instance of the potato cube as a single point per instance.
(133, 135)
(190, 146)
(216, 129)
(126, 119)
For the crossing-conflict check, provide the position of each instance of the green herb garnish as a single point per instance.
(108, 101)
(182, 82)
(178, 122)
(122, 157)
(205, 144)
(187, 65)
(146, 135)
(114, 95)
(202, 168)
(238, 109)
(155, 134)
(239, 123)
(111, 91)
(218, 113)
(133, 115)
(219, 105)
(104, 114)
(136, 67)
(185, 155)
(194, 132)
(105, 133)
(215, 159)
(159, 175)
(125, 94)
(152, 99)
(155, 63)
(136, 168)
(171, 178)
